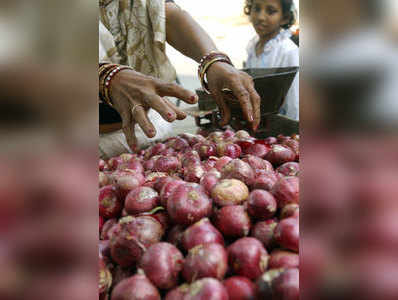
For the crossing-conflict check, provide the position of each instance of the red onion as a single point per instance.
(133, 237)
(265, 180)
(102, 165)
(209, 180)
(233, 221)
(290, 210)
(229, 192)
(188, 203)
(202, 289)
(293, 145)
(192, 139)
(114, 162)
(240, 288)
(141, 199)
(167, 190)
(194, 173)
(279, 284)
(264, 232)
(271, 140)
(258, 163)
(190, 158)
(210, 163)
(127, 180)
(178, 144)
(247, 257)
(161, 181)
(106, 229)
(258, 150)
(135, 287)
(289, 169)
(201, 233)
(216, 137)
(103, 179)
(261, 204)
(205, 150)
(110, 204)
(283, 259)
(287, 234)
(221, 162)
(286, 190)
(175, 235)
(167, 164)
(242, 134)
(228, 149)
(133, 165)
(162, 263)
(208, 260)
(105, 277)
(280, 154)
(238, 169)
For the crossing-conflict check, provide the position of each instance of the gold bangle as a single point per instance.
(206, 67)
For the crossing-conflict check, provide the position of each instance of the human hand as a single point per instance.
(133, 94)
(221, 75)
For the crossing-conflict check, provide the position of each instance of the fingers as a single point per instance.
(256, 105)
(180, 114)
(174, 90)
(243, 96)
(224, 109)
(141, 118)
(128, 128)
(159, 104)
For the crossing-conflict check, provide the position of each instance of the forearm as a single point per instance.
(185, 34)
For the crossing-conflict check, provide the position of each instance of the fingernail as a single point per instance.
(251, 118)
(170, 115)
(193, 98)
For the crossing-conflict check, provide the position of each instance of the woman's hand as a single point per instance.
(133, 94)
(222, 75)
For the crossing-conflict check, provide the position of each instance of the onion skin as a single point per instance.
(105, 277)
(264, 231)
(106, 229)
(110, 204)
(209, 180)
(258, 163)
(133, 165)
(205, 150)
(193, 173)
(238, 169)
(229, 192)
(207, 289)
(242, 134)
(287, 234)
(190, 158)
(283, 259)
(222, 161)
(208, 260)
(188, 204)
(228, 149)
(279, 155)
(132, 237)
(167, 190)
(178, 144)
(265, 180)
(201, 233)
(102, 165)
(258, 150)
(167, 164)
(286, 190)
(137, 287)
(103, 179)
(175, 235)
(162, 264)
(271, 140)
(290, 210)
(240, 288)
(280, 284)
(289, 169)
(261, 205)
(233, 221)
(141, 199)
(127, 180)
(248, 258)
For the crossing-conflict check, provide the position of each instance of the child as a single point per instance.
(272, 47)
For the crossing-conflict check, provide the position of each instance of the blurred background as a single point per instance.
(349, 155)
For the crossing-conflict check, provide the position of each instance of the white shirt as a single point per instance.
(280, 51)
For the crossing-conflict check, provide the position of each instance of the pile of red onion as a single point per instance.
(195, 218)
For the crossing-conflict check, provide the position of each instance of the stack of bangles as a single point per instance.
(107, 72)
(205, 64)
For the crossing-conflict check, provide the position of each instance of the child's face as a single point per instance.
(267, 16)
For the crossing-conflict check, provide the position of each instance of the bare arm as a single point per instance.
(185, 34)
